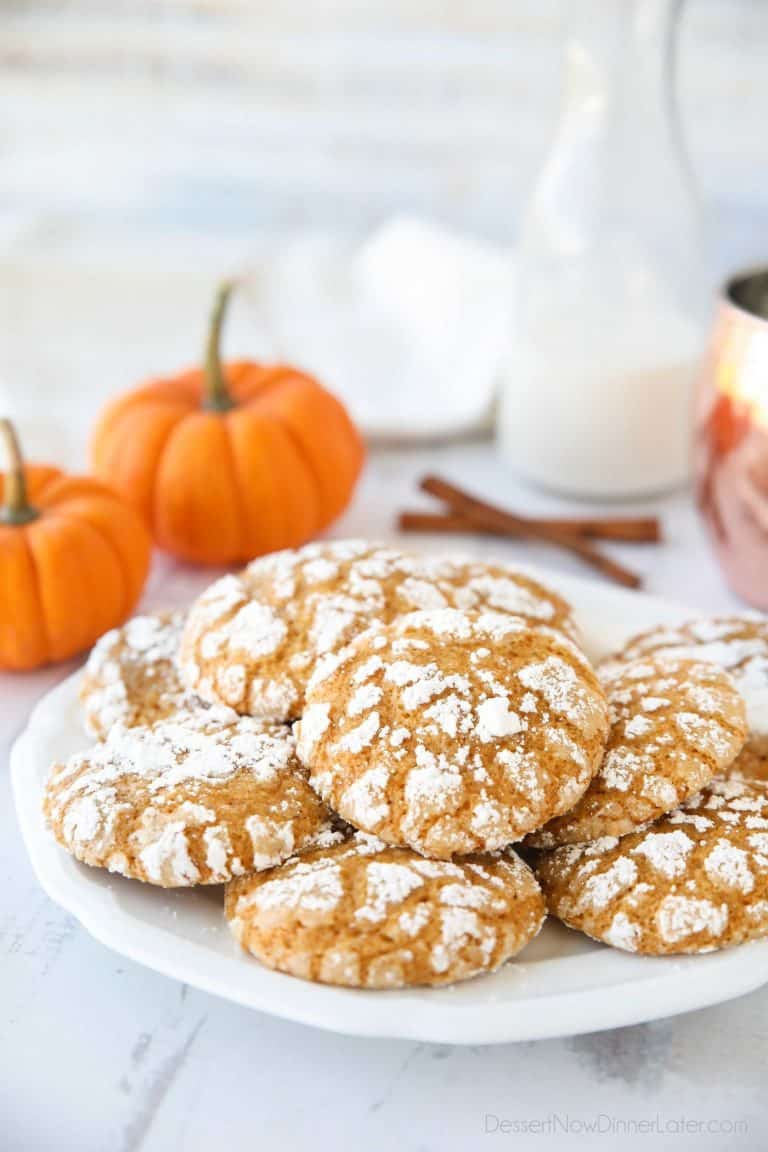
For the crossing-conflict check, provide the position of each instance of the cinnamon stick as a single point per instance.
(635, 530)
(495, 519)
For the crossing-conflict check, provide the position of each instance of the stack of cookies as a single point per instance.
(667, 851)
(353, 738)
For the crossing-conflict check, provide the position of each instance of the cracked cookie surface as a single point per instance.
(132, 677)
(195, 799)
(453, 732)
(739, 644)
(675, 725)
(252, 639)
(693, 881)
(365, 915)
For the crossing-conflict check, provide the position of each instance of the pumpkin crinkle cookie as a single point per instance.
(252, 640)
(132, 677)
(366, 915)
(694, 881)
(453, 732)
(675, 724)
(194, 799)
(739, 644)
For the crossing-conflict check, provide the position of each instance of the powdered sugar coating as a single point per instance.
(195, 799)
(363, 914)
(474, 729)
(657, 756)
(738, 644)
(132, 675)
(695, 880)
(284, 612)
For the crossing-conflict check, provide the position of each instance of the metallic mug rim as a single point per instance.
(739, 280)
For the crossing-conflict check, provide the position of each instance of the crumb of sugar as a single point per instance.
(679, 917)
(365, 800)
(423, 594)
(621, 767)
(497, 720)
(432, 785)
(255, 630)
(387, 883)
(356, 739)
(366, 697)
(448, 713)
(218, 851)
(600, 889)
(330, 626)
(667, 852)
(728, 866)
(168, 856)
(638, 726)
(623, 933)
(556, 681)
(311, 888)
(320, 571)
(464, 896)
(272, 840)
(413, 921)
(459, 925)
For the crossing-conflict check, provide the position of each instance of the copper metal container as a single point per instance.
(732, 436)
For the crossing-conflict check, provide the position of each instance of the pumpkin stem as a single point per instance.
(16, 509)
(216, 395)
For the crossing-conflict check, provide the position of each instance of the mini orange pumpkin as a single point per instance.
(73, 561)
(231, 461)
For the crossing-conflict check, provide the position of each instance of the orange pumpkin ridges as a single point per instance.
(230, 461)
(73, 561)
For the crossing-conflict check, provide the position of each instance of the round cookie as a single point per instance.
(739, 644)
(694, 881)
(675, 724)
(194, 799)
(252, 640)
(365, 915)
(453, 732)
(131, 676)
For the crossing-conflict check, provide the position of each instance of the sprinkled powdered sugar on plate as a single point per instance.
(693, 881)
(368, 915)
(274, 620)
(453, 732)
(194, 799)
(656, 757)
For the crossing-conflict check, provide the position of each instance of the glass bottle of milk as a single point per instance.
(612, 285)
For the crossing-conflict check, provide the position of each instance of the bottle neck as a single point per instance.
(615, 193)
(620, 63)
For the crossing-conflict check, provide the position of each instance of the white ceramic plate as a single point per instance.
(562, 984)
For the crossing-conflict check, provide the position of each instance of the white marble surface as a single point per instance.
(100, 1055)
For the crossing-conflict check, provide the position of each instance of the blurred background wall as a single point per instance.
(149, 146)
(238, 115)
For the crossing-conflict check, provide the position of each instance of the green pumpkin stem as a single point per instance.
(216, 396)
(16, 508)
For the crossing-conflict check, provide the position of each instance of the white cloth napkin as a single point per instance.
(410, 328)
